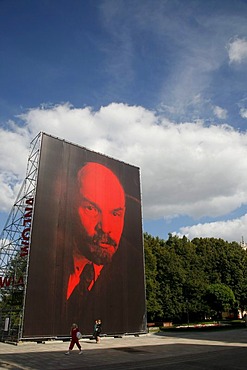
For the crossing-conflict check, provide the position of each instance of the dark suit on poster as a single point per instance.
(116, 298)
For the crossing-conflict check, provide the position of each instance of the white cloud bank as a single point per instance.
(186, 169)
(228, 230)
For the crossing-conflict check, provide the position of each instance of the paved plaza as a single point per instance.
(200, 349)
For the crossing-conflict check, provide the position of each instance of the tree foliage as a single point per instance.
(219, 298)
(201, 277)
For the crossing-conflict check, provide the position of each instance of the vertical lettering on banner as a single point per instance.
(25, 236)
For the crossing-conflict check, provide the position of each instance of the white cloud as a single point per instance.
(237, 50)
(14, 146)
(243, 112)
(231, 230)
(186, 169)
(220, 112)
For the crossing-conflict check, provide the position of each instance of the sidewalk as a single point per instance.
(125, 353)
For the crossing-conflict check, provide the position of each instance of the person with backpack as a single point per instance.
(75, 336)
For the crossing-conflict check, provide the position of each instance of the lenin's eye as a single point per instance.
(90, 209)
(118, 212)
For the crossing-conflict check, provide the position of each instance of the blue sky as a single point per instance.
(158, 84)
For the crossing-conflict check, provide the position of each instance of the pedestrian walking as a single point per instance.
(75, 336)
(95, 329)
(98, 331)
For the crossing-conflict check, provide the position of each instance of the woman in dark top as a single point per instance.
(97, 330)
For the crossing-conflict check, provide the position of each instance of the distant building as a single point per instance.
(243, 244)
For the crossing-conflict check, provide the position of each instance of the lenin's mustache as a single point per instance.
(101, 237)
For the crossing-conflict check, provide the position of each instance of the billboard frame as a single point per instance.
(14, 248)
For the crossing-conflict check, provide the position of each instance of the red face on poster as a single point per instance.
(101, 209)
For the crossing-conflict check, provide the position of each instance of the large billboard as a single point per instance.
(86, 258)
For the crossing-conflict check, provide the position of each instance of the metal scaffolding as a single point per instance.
(14, 248)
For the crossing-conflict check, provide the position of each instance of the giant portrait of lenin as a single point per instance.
(86, 256)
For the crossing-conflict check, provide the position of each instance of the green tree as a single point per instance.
(154, 308)
(219, 298)
(179, 272)
(12, 295)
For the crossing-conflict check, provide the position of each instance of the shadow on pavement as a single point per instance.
(230, 335)
(163, 356)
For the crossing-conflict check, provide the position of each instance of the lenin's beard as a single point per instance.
(92, 249)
